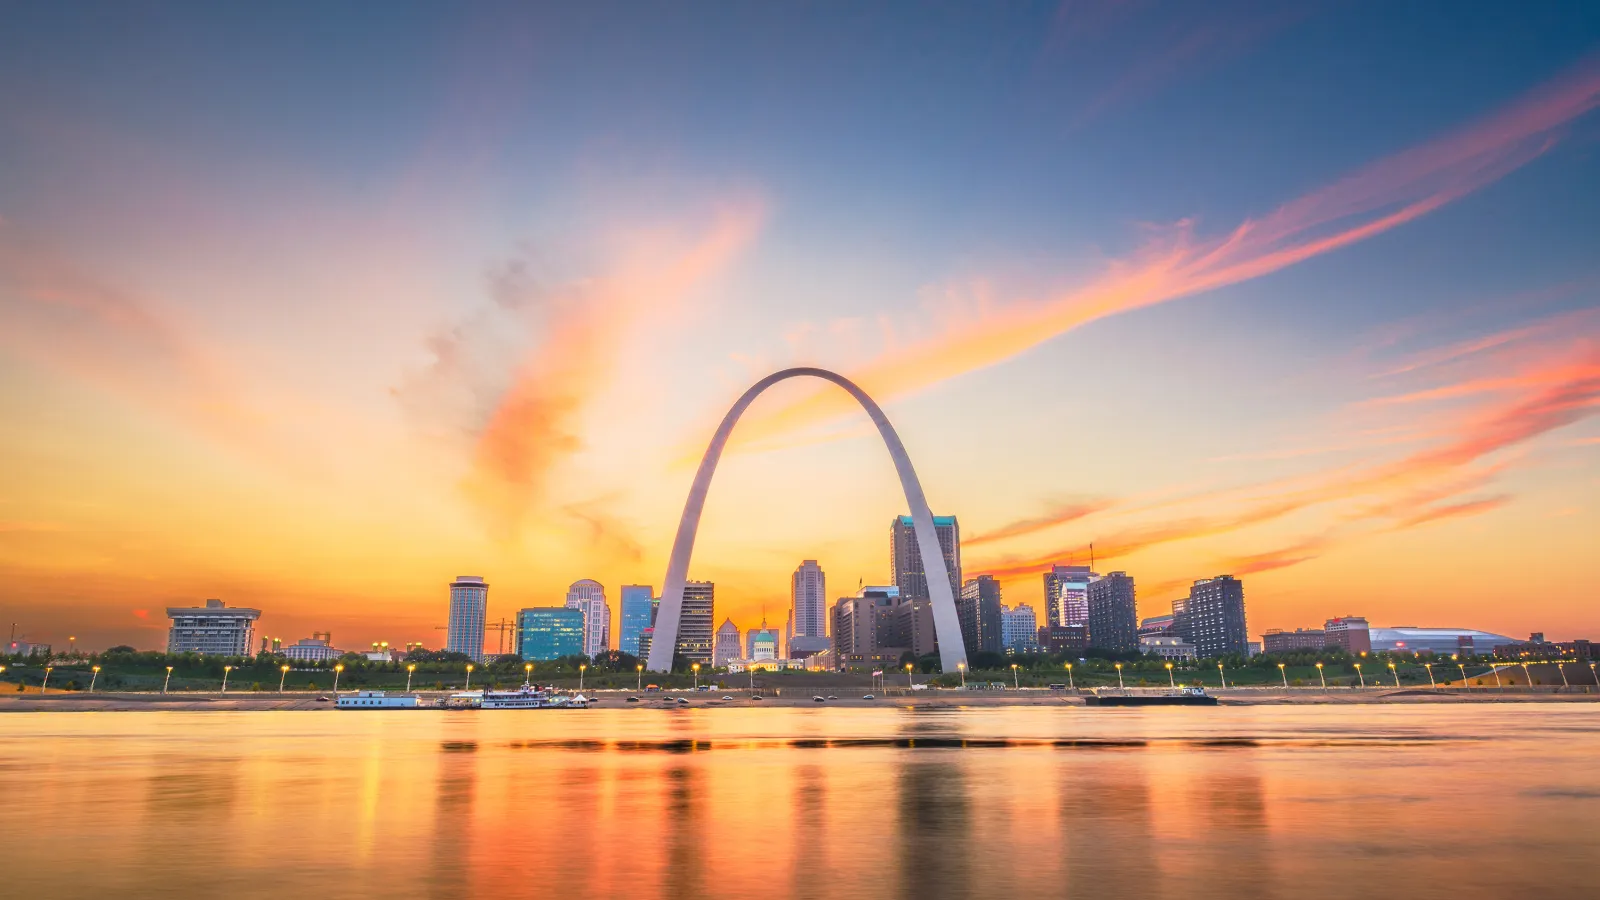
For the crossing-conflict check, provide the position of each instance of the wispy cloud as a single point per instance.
(1410, 491)
(520, 400)
(1456, 510)
(1060, 514)
(1176, 263)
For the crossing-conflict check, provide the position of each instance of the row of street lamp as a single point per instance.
(910, 682)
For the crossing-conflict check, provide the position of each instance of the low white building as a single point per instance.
(311, 650)
(764, 665)
(1166, 646)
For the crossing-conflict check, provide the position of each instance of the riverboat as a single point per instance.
(1190, 696)
(377, 700)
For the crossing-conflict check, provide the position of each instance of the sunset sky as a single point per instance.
(316, 307)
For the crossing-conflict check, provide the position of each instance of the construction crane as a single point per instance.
(502, 626)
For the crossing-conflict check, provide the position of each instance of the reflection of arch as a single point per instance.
(946, 626)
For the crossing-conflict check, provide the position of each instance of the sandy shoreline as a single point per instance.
(308, 701)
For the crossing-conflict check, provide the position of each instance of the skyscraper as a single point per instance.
(979, 612)
(638, 613)
(469, 609)
(694, 625)
(1113, 614)
(1216, 612)
(727, 644)
(905, 558)
(590, 597)
(808, 609)
(1066, 595)
(550, 632)
(1019, 629)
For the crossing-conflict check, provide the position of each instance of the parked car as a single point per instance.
(868, 697)
(633, 699)
(820, 699)
(726, 697)
(832, 697)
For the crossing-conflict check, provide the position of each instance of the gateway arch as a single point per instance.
(946, 625)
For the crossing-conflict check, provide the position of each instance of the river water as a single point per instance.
(1413, 801)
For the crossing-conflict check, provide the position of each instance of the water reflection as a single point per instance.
(1230, 803)
(932, 815)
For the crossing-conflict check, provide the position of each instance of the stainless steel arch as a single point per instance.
(946, 625)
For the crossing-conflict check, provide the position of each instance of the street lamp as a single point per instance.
(1361, 676)
(1431, 682)
(638, 685)
(1074, 687)
(1561, 666)
(1221, 676)
(470, 667)
(93, 678)
(1171, 683)
(225, 671)
(1463, 669)
(1396, 673)
(962, 668)
(583, 667)
(72, 645)
(410, 670)
(338, 669)
(909, 683)
(46, 683)
(1495, 670)
(1321, 678)
(695, 667)
(169, 679)
(527, 673)
(281, 678)
(1014, 683)
(1120, 685)
(1283, 676)
(1525, 677)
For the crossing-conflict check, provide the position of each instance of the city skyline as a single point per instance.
(1282, 327)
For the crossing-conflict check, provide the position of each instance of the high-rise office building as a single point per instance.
(1066, 595)
(1352, 634)
(905, 557)
(216, 628)
(1216, 613)
(808, 610)
(874, 628)
(550, 632)
(1113, 614)
(469, 611)
(695, 622)
(1182, 622)
(638, 613)
(978, 609)
(589, 596)
(1019, 629)
(645, 638)
(726, 645)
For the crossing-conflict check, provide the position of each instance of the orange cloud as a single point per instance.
(533, 425)
(1456, 510)
(1563, 392)
(1386, 194)
(1060, 515)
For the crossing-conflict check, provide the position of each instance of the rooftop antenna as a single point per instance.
(1091, 556)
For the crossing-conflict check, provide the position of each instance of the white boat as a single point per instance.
(530, 697)
(376, 700)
